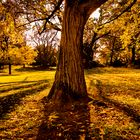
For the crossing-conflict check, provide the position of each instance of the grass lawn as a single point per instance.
(113, 114)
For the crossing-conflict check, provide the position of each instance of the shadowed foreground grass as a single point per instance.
(113, 114)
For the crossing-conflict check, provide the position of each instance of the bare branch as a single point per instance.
(116, 17)
(51, 15)
(102, 36)
(55, 27)
(46, 19)
(95, 38)
(40, 19)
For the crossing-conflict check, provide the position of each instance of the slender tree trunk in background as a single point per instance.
(9, 65)
(69, 81)
(133, 55)
(112, 51)
(134, 48)
(111, 56)
(10, 69)
(24, 65)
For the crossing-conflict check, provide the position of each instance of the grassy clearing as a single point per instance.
(119, 89)
(113, 114)
(20, 109)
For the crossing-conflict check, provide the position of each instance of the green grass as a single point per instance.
(114, 112)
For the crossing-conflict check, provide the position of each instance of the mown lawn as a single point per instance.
(113, 114)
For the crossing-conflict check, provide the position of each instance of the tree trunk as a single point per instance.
(69, 81)
(24, 66)
(133, 55)
(112, 50)
(10, 69)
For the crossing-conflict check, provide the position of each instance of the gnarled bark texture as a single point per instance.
(69, 79)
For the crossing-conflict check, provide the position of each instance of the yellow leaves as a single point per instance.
(15, 37)
(28, 54)
(23, 55)
(53, 116)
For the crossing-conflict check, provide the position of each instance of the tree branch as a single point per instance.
(31, 22)
(51, 15)
(125, 10)
(102, 36)
(54, 26)
(46, 19)
(91, 5)
(95, 38)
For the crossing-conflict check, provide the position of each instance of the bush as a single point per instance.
(118, 63)
(92, 64)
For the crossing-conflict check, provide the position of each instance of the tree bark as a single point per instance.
(69, 81)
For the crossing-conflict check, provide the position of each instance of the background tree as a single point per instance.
(131, 35)
(24, 55)
(9, 36)
(13, 47)
(46, 46)
(112, 21)
(126, 30)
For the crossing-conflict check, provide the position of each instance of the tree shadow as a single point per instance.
(95, 71)
(110, 71)
(8, 103)
(34, 69)
(8, 84)
(16, 87)
(127, 109)
(67, 122)
(6, 74)
(15, 83)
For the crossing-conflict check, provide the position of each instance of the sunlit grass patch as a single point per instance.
(120, 89)
(20, 96)
(27, 111)
(24, 91)
(128, 100)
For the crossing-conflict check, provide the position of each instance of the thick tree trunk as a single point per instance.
(69, 81)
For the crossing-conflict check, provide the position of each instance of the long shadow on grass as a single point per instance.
(105, 70)
(127, 109)
(67, 122)
(30, 84)
(15, 83)
(34, 69)
(8, 103)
